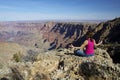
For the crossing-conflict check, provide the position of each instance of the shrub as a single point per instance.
(1, 66)
(31, 56)
(17, 57)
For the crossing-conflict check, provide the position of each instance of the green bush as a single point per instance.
(1, 66)
(17, 57)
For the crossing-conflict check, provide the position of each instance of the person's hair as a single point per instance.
(89, 34)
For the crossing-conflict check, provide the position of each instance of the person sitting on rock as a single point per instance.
(88, 45)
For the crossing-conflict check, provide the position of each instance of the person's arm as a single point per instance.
(97, 44)
(71, 46)
(81, 47)
(84, 44)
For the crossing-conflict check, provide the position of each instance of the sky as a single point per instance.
(15, 10)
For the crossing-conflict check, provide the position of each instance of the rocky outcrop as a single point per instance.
(64, 65)
(114, 52)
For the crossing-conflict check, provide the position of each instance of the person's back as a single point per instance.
(90, 47)
(89, 44)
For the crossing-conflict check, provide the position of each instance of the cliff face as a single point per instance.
(55, 34)
(63, 65)
(108, 31)
(62, 34)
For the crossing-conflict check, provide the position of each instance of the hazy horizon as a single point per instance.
(39, 21)
(22, 10)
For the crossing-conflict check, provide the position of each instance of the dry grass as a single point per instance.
(7, 50)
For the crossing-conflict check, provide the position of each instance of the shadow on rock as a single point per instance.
(4, 78)
(88, 69)
(92, 70)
